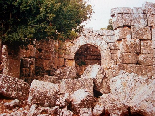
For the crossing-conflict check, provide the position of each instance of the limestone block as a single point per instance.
(81, 99)
(146, 47)
(131, 68)
(113, 46)
(122, 33)
(139, 20)
(144, 70)
(149, 8)
(130, 46)
(109, 39)
(117, 21)
(72, 85)
(151, 20)
(12, 87)
(43, 93)
(121, 10)
(146, 59)
(138, 10)
(141, 33)
(47, 55)
(69, 62)
(127, 19)
(129, 58)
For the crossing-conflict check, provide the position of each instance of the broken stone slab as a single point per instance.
(71, 85)
(43, 93)
(81, 99)
(13, 87)
(100, 81)
(86, 112)
(12, 104)
(127, 91)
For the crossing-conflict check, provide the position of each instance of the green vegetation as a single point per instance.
(22, 21)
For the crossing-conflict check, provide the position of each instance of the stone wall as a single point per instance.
(130, 47)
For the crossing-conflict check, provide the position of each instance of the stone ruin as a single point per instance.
(102, 72)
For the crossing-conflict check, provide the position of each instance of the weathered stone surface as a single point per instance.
(12, 104)
(65, 112)
(149, 8)
(146, 47)
(97, 73)
(129, 58)
(144, 70)
(127, 19)
(66, 72)
(81, 99)
(86, 112)
(139, 20)
(123, 33)
(138, 10)
(130, 46)
(43, 93)
(71, 85)
(69, 62)
(146, 59)
(13, 87)
(141, 33)
(117, 21)
(121, 10)
(109, 39)
(127, 90)
(151, 20)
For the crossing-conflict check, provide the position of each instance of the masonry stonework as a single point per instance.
(130, 47)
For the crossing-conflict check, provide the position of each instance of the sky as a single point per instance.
(102, 10)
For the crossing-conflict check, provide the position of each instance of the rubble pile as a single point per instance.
(128, 93)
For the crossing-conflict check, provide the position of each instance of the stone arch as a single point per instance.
(97, 41)
(86, 55)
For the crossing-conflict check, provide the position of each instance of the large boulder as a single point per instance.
(43, 93)
(12, 87)
(97, 73)
(129, 93)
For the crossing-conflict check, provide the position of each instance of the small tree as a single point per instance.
(24, 20)
(110, 27)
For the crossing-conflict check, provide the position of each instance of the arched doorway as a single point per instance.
(86, 55)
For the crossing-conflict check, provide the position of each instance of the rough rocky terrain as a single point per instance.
(128, 94)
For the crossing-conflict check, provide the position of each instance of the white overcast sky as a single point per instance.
(102, 10)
